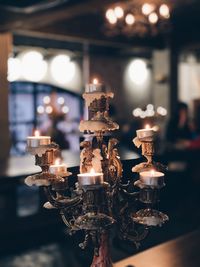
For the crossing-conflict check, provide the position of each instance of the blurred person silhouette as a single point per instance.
(179, 129)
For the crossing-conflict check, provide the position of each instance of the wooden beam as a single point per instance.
(5, 50)
(49, 17)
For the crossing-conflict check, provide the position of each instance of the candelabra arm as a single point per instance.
(131, 194)
(63, 202)
(64, 219)
(136, 237)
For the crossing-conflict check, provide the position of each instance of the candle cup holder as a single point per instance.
(45, 160)
(149, 195)
(98, 105)
(60, 185)
(39, 151)
(150, 217)
(94, 198)
(94, 208)
(148, 149)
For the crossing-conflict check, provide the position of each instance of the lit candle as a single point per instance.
(58, 168)
(90, 178)
(37, 140)
(94, 87)
(152, 177)
(145, 133)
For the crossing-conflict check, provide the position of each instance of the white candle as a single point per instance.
(152, 177)
(37, 140)
(94, 87)
(58, 168)
(145, 133)
(90, 178)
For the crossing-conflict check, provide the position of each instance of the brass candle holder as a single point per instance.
(99, 199)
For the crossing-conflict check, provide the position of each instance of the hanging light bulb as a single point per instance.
(130, 19)
(46, 99)
(164, 11)
(40, 109)
(111, 17)
(147, 9)
(153, 18)
(61, 100)
(119, 12)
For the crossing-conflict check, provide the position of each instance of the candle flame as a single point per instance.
(95, 81)
(37, 133)
(147, 126)
(57, 161)
(152, 172)
(155, 128)
(92, 171)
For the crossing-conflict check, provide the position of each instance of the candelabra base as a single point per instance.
(103, 259)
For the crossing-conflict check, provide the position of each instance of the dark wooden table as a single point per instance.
(181, 252)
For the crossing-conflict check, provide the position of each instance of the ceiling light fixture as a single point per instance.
(149, 18)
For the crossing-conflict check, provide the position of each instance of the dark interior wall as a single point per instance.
(113, 71)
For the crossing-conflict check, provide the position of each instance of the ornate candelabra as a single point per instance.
(100, 200)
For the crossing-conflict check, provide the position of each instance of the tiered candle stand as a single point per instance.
(99, 201)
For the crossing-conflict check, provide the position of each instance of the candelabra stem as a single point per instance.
(103, 259)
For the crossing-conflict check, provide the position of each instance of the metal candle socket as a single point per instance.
(149, 195)
(46, 159)
(94, 198)
(148, 148)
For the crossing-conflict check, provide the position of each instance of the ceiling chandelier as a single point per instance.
(136, 18)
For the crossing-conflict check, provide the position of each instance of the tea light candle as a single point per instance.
(145, 133)
(152, 177)
(94, 87)
(58, 168)
(37, 140)
(91, 178)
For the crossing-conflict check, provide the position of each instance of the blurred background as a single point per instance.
(148, 53)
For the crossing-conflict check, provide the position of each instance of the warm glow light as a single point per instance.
(152, 173)
(95, 81)
(14, 69)
(49, 109)
(65, 109)
(155, 128)
(161, 111)
(150, 107)
(110, 15)
(37, 133)
(153, 18)
(138, 71)
(137, 112)
(147, 127)
(92, 171)
(60, 100)
(62, 70)
(40, 109)
(147, 9)
(130, 19)
(150, 112)
(57, 161)
(164, 11)
(34, 68)
(143, 114)
(119, 12)
(46, 99)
